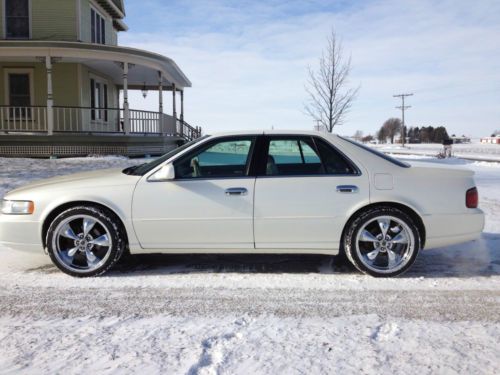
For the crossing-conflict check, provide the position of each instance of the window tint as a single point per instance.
(333, 161)
(288, 157)
(227, 158)
(17, 19)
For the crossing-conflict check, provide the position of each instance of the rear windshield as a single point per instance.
(390, 159)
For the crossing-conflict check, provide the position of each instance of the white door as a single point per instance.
(208, 205)
(302, 200)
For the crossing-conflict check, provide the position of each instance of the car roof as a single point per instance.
(271, 132)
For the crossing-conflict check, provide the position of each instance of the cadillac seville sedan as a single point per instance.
(253, 192)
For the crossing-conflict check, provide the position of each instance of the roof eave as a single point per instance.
(120, 25)
(112, 9)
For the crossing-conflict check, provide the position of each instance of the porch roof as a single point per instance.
(143, 65)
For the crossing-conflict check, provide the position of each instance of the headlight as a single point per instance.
(17, 207)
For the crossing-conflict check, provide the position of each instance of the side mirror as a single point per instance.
(165, 173)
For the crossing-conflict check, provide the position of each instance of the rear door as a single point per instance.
(303, 192)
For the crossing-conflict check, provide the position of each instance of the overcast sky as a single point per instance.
(248, 60)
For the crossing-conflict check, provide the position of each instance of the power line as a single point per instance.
(403, 107)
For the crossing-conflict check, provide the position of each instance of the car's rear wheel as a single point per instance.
(85, 241)
(382, 242)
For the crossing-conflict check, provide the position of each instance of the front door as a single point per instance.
(304, 193)
(208, 205)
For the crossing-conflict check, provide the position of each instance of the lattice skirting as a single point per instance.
(82, 150)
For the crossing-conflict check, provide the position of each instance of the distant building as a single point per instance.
(491, 140)
(62, 75)
(462, 139)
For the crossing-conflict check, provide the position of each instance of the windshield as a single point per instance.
(142, 169)
(399, 163)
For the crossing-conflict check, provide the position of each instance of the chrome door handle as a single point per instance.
(347, 189)
(236, 191)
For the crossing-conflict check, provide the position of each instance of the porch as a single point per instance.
(59, 91)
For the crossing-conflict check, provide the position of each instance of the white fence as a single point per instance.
(93, 120)
(23, 119)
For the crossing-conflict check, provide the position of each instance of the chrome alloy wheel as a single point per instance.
(82, 243)
(385, 244)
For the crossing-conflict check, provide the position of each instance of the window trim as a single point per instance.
(6, 80)
(205, 145)
(30, 21)
(261, 169)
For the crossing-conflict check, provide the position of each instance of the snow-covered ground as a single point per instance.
(210, 314)
(473, 151)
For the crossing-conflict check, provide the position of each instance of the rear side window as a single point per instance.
(333, 161)
(292, 157)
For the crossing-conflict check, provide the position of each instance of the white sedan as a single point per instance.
(253, 192)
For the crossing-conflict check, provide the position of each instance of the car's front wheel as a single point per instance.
(382, 242)
(85, 241)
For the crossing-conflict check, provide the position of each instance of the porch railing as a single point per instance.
(23, 119)
(93, 120)
(86, 120)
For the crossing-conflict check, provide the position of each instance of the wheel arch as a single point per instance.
(406, 209)
(49, 218)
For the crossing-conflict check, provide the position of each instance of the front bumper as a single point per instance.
(20, 232)
(446, 230)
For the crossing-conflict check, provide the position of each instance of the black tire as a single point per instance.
(352, 246)
(107, 221)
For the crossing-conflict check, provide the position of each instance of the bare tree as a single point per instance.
(358, 135)
(329, 98)
(392, 127)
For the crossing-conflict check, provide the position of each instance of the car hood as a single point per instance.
(103, 177)
(439, 168)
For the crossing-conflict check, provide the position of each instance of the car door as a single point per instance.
(303, 193)
(209, 204)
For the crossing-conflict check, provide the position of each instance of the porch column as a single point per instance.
(182, 105)
(174, 109)
(50, 99)
(160, 102)
(126, 110)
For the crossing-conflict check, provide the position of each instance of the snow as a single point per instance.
(473, 151)
(211, 314)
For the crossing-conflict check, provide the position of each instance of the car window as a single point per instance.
(333, 161)
(227, 158)
(288, 157)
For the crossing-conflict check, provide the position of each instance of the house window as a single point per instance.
(17, 19)
(19, 95)
(98, 27)
(99, 100)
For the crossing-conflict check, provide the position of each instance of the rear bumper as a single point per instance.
(20, 232)
(446, 230)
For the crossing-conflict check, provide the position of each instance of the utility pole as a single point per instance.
(403, 107)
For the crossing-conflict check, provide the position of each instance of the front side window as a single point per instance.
(288, 157)
(17, 19)
(226, 158)
(97, 27)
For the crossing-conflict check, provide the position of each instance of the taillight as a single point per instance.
(471, 198)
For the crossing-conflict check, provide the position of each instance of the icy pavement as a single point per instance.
(210, 314)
